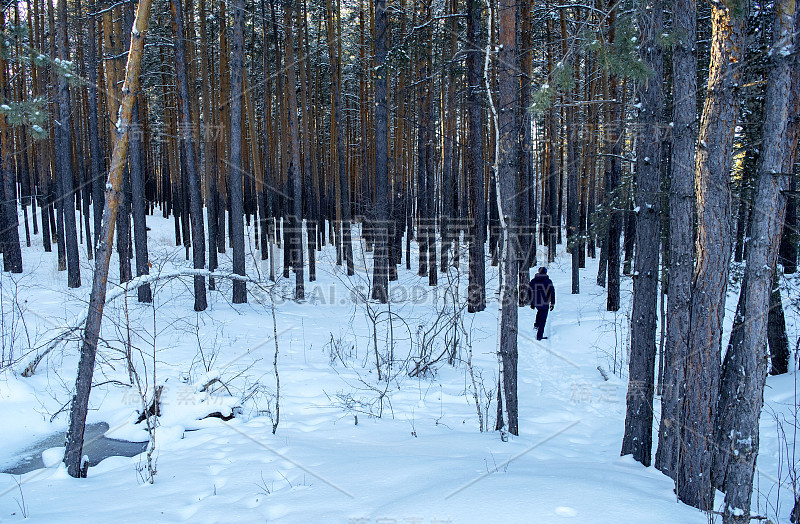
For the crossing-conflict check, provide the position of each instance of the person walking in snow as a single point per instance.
(543, 298)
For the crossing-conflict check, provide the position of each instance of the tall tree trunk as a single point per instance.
(80, 403)
(64, 160)
(613, 178)
(714, 238)
(309, 150)
(476, 294)
(56, 196)
(81, 145)
(638, 437)
(424, 108)
(343, 195)
(236, 167)
(193, 176)
(447, 180)
(573, 196)
(431, 127)
(681, 230)
(613, 174)
(551, 200)
(124, 248)
(210, 122)
(506, 162)
(295, 169)
(380, 274)
(12, 252)
(746, 361)
(224, 118)
(42, 147)
(97, 160)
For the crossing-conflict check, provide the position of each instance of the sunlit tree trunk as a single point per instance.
(747, 360)
(714, 239)
(73, 456)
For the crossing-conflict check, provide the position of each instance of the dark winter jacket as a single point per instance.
(543, 293)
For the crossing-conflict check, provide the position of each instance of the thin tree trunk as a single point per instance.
(235, 169)
(629, 237)
(12, 252)
(430, 147)
(449, 140)
(210, 166)
(223, 140)
(138, 202)
(80, 402)
(380, 275)
(424, 87)
(476, 294)
(56, 196)
(307, 123)
(343, 196)
(64, 160)
(97, 160)
(527, 197)
(295, 175)
(193, 176)
(573, 196)
(551, 178)
(776, 328)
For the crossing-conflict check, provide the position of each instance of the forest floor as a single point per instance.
(348, 447)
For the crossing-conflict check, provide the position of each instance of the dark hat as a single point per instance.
(543, 270)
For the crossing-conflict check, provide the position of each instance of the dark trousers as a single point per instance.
(541, 318)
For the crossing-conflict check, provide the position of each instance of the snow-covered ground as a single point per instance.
(348, 447)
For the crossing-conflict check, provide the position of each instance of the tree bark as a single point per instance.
(380, 270)
(138, 202)
(64, 160)
(779, 351)
(80, 403)
(681, 231)
(193, 176)
(295, 171)
(638, 437)
(97, 160)
(476, 295)
(714, 238)
(527, 196)
(343, 194)
(236, 167)
(746, 361)
(573, 197)
(12, 252)
(790, 238)
(507, 173)
(210, 126)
